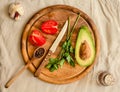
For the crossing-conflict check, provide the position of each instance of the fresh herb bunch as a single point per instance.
(66, 52)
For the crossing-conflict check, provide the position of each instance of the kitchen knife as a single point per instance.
(52, 48)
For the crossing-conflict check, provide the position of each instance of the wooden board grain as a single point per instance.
(59, 13)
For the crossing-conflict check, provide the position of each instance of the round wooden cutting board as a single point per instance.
(59, 13)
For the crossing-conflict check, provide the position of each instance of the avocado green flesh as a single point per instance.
(85, 35)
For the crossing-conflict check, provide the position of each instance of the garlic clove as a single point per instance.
(16, 11)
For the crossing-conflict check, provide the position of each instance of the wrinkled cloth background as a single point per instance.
(105, 14)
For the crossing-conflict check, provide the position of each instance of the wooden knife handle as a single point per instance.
(46, 59)
(18, 73)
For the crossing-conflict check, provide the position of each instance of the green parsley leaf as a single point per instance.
(61, 62)
(52, 69)
(71, 49)
(56, 66)
(53, 60)
(48, 65)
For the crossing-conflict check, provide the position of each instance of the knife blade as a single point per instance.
(60, 36)
(52, 48)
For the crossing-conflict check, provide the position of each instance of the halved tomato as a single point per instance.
(49, 27)
(36, 38)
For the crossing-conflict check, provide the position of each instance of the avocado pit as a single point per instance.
(84, 50)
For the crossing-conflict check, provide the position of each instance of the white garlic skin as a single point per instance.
(16, 8)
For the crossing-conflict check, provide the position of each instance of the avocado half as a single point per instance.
(85, 47)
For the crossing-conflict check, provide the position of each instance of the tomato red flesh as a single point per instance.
(36, 38)
(49, 27)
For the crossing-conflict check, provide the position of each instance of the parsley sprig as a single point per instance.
(66, 52)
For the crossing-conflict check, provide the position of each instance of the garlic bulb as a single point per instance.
(16, 11)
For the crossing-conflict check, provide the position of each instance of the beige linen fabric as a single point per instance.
(105, 14)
